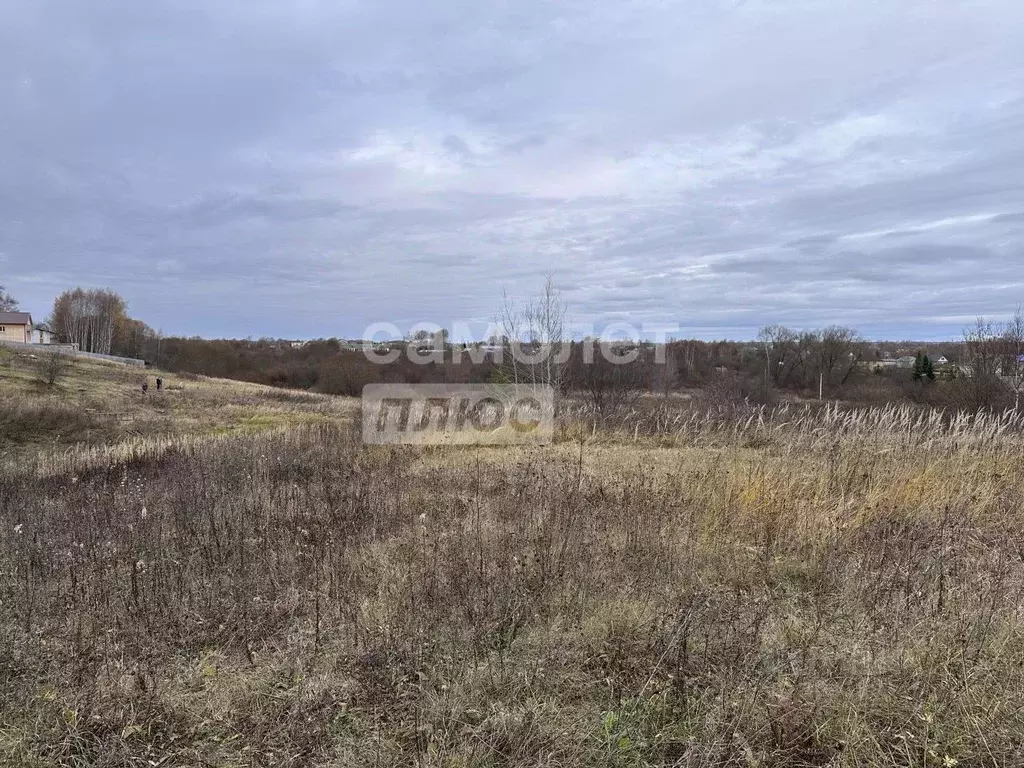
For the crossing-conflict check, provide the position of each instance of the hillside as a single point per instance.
(101, 405)
(224, 575)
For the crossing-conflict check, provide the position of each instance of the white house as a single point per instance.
(908, 361)
(41, 334)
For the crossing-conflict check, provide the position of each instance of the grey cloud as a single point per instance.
(223, 210)
(811, 242)
(720, 165)
(1009, 218)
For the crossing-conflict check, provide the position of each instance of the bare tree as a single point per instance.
(1010, 364)
(807, 359)
(131, 337)
(685, 353)
(7, 302)
(52, 366)
(840, 349)
(89, 318)
(985, 345)
(780, 353)
(610, 381)
(666, 373)
(982, 343)
(545, 318)
(509, 322)
(535, 351)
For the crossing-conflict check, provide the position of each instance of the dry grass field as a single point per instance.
(229, 578)
(98, 410)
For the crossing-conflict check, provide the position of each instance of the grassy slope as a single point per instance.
(101, 404)
(803, 591)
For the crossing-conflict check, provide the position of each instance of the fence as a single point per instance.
(72, 350)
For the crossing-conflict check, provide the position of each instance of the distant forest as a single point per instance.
(834, 363)
(984, 369)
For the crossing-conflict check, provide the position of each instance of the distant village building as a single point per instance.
(909, 360)
(16, 327)
(42, 334)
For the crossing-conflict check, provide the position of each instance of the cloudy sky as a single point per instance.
(305, 168)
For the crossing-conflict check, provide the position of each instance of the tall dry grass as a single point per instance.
(780, 587)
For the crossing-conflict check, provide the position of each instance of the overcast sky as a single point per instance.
(302, 169)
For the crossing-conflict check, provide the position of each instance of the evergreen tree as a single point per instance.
(927, 369)
(918, 371)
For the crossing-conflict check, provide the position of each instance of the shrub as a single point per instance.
(52, 366)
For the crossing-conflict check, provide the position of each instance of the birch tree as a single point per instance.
(1013, 352)
(7, 302)
(535, 349)
(89, 318)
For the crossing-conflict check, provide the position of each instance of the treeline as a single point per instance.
(328, 366)
(986, 369)
(322, 365)
(96, 319)
(317, 364)
(834, 363)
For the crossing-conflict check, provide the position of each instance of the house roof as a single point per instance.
(15, 318)
(42, 327)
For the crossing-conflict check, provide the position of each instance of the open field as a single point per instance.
(764, 588)
(98, 409)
